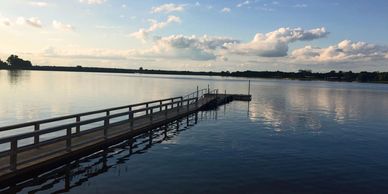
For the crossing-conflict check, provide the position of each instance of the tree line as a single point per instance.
(13, 62)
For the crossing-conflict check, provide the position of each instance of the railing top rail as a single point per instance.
(75, 124)
(32, 123)
(55, 119)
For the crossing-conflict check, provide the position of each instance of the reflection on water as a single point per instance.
(301, 107)
(17, 76)
(113, 158)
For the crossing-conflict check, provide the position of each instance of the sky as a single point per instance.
(207, 35)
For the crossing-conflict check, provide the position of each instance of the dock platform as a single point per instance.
(53, 142)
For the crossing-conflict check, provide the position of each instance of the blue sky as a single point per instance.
(198, 35)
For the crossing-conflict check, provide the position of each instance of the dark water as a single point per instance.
(294, 137)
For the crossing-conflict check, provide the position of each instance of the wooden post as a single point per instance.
(36, 137)
(106, 123)
(197, 92)
(208, 89)
(249, 87)
(78, 119)
(130, 113)
(130, 116)
(13, 155)
(147, 109)
(151, 113)
(160, 103)
(188, 105)
(68, 139)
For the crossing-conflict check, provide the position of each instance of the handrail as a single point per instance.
(164, 104)
(85, 122)
(32, 123)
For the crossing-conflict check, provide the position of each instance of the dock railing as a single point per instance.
(66, 132)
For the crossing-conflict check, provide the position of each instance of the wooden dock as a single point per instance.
(52, 142)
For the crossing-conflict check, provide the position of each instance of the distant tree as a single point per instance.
(15, 62)
(3, 64)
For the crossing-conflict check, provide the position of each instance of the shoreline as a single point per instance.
(278, 75)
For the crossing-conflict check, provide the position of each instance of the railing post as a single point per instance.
(107, 118)
(188, 105)
(208, 89)
(13, 155)
(197, 92)
(36, 137)
(106, 123)
(130, 116)
(160, 104)
(78, 119)
(68, 139)
(129, 113)
(151, 113)
(147, 109)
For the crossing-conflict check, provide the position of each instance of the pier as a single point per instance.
(39, 145)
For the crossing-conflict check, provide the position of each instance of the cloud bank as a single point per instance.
(275, 44)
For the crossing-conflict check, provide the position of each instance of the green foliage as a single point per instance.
(16, 62)
(3, 65)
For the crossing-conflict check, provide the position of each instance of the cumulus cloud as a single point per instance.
(92, 1)
(199, 48)
(226, 10)
(275, 44)
(346, 50)
(154, 25)
(61, 26)
(32, 21)
(5, 22)
(168, 8)
(39, 4)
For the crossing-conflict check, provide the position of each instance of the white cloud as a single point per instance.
(86, 53)
(226, 10)
(143, 33)
(32, 21)
(39, 4)
(275, 44)
(61, 26)
(92, 1)
(200, 48)
(243, 3)
(5, 22)
(300, 5)
(168, 8)
(346, 50)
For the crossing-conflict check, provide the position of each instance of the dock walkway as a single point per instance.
(69, 137)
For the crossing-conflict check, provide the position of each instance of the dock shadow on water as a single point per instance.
(78, 172)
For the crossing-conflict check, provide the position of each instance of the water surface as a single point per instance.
(293, 137)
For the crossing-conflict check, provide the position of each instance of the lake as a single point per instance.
(293, 137)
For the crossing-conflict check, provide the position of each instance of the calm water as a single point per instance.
(294, 137)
